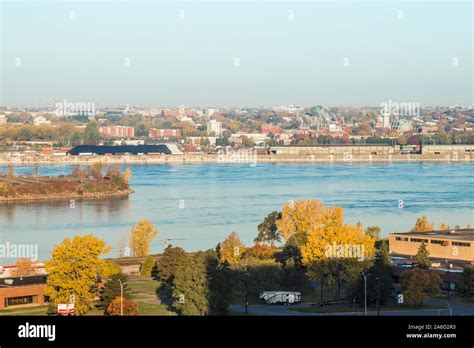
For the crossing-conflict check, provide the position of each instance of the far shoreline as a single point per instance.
(208, 158)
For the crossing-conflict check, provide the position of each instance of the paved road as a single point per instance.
(457, 309)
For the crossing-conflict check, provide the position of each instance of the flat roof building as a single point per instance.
(448, 244)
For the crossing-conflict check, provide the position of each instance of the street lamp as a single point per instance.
(365, 289)
(378, 296)
(121, 296)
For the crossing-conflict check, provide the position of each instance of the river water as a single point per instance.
(197, 205)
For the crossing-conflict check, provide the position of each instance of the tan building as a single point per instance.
(376, 149)
(447, 149)
(450, 244)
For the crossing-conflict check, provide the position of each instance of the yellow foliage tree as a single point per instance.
(306, 215)
(350, 240)
(141, 236)
(127, 175)
(443, 227)
(73, 271)
(231, 249)
(422, 224)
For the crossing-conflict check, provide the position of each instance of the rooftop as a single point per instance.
(458, 234)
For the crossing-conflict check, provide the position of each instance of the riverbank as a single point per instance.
(67, 197)
(214, 158)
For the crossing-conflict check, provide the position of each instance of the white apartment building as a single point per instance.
(215, 127)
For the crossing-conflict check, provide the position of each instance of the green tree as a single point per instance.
(380, 282)
(148, 265)
(374, 232)
(268, 230)
(170, 260)
(422, 256)
(418, 283)
(112, 290)
(91, 133)
(466, 282)
(191, 286)
(222, 285)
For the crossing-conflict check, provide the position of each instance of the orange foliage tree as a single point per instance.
(129, 307)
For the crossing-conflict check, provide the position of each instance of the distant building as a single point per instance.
(40, 120)
(348, 150)
(3, 119)
(451, 150)
(117, 131)
(210, 112)
(271, 129)
(215, 127)
(25, 290)
(196, 141)
(450, 244)
(119, 150)
(164, 133)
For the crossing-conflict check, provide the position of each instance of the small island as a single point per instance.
(88, 182)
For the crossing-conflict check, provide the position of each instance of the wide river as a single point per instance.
(197, 205)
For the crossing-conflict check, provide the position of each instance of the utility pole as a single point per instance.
(121, 296)
(378, 296)
(365, 290)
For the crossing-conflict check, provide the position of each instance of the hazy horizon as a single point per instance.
(251, 54)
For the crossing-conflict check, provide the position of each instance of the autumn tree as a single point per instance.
(422, 256)
(339, 237)
(374, 232)
(96, 170)
(268, 230)
(306, 215)
(418, 283)
(231, 249)
(147, 267)
(443, 227)
(23, 267)
(141, 236)
(115, 307)
(422, 225)
(74, 269)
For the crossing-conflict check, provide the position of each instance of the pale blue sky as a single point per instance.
(190, 61)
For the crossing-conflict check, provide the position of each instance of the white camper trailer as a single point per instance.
(281, 297)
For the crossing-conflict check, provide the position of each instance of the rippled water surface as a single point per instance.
(197, 205)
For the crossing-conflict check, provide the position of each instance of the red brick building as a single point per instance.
(117, 131)
(165, 133)
(17, 291)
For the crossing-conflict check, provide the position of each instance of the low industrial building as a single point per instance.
(447, 149)
(352, 150)
(455, 244)
(118, 150)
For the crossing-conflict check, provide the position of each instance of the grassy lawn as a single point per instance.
(144, 293)
(342, 309)
(30, 310)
